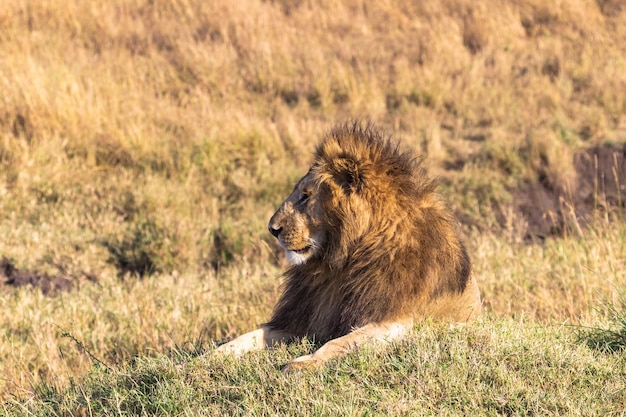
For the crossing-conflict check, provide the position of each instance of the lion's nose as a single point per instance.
(274, 231)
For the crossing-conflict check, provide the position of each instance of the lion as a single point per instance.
(372, 247)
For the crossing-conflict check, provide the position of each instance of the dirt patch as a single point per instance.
(49, 284)
(599, 187)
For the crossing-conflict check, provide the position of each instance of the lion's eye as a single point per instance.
(303, 198)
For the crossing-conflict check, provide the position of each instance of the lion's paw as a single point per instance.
(230, 349)
(302, 363)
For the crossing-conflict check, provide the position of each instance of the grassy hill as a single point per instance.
(145, 144)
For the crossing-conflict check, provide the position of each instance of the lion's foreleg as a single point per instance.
(255, 340)
(377, 333)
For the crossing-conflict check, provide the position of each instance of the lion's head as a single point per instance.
(299, 222)
(357, 179)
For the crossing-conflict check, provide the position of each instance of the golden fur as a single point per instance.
(373, 248)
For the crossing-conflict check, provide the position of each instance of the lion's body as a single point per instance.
(373, 245)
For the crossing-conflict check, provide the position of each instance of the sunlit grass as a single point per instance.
(491, 367)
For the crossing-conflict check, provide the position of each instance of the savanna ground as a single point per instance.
(145, 144)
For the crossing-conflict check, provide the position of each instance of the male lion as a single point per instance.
(372, 247)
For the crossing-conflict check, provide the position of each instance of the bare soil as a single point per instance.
(599, 188)
(49, 284)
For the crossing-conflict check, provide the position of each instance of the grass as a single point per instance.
(161, 335)
(611, 337)
(494, 367)
(144, 145)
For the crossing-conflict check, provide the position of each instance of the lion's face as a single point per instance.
(298, 223)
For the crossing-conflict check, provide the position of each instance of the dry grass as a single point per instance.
(119, 320)
(195, 119)
(560, 281)
(156, 138)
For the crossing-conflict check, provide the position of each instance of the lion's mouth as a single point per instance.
(303, 250)
(300, 251)
(298, 256)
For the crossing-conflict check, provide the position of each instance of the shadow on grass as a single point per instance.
(612, 337)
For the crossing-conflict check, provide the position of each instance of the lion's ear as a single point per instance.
(348, 175)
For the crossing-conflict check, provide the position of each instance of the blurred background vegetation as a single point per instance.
(161, 134)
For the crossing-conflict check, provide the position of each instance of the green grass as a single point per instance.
(611, 337)
(494, 367)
